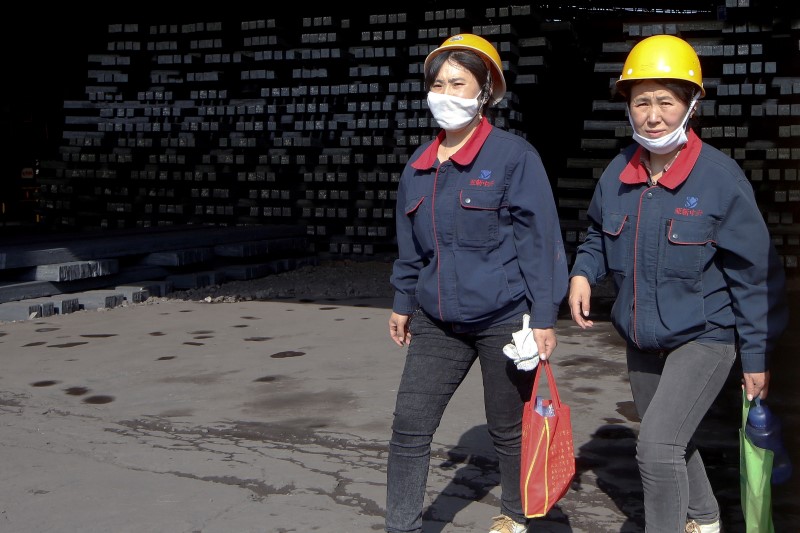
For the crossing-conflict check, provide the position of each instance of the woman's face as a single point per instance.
(655, 110)
(454, 80)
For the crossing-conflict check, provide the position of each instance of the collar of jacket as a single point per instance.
(635, 172)
(465, 154)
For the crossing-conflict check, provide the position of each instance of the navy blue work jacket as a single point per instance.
(691, 256)
(479, 240)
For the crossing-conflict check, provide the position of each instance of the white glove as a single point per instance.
(523, 351)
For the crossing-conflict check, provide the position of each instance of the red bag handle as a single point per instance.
(550, 379)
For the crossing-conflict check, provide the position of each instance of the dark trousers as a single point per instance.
(672, 393)
(436, 364)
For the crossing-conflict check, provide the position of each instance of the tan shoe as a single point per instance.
(694, 527)
(506, 524)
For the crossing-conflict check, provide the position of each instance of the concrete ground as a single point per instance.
(274, 416)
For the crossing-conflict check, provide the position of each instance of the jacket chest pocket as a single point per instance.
(617, 228)
(477, 218)
(685, 252)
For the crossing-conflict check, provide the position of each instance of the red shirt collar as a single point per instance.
(465, 155)
(635, 171)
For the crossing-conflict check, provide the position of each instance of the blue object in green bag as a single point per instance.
(755, 473)
(764, 430)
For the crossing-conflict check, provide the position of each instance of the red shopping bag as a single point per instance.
(548, 458)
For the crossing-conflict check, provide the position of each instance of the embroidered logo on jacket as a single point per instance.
(689, 208)
(483, 180)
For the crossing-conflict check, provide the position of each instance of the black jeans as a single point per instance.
(436, 363)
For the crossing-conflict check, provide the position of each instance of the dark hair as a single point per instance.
(682, 89)
(471, 61)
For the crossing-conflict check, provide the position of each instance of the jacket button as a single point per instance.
(649, 195)
(674, 235)
(467, 200)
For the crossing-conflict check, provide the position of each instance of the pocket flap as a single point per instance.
(687, 232)
(477, 199)
(613, 223)
(413, 204)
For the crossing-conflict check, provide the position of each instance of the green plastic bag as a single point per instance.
(755, 475)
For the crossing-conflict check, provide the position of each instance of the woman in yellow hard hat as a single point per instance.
(480, 256)
(676, 225)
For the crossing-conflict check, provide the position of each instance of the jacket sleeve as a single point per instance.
(405, 270)
(756, 278)
(537, 237)
(590, 259)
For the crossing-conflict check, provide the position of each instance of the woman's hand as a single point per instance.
(546, 342)
(756, 385)
(580, 293)
(398, 329)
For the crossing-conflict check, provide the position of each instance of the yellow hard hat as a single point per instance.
(468, 41)
(663, 56)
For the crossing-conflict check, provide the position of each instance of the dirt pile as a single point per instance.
(332, 279)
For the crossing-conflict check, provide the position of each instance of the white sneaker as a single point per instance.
(505, 524)
(694, 527)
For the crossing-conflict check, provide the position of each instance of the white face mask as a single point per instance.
(453, 112)
(667, 143)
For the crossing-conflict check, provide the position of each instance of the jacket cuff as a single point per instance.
(754, 363)
(538, 322)
(585, 273)
(404, 304)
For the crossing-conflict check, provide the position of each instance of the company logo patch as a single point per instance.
(484, 180)
(689, 208)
